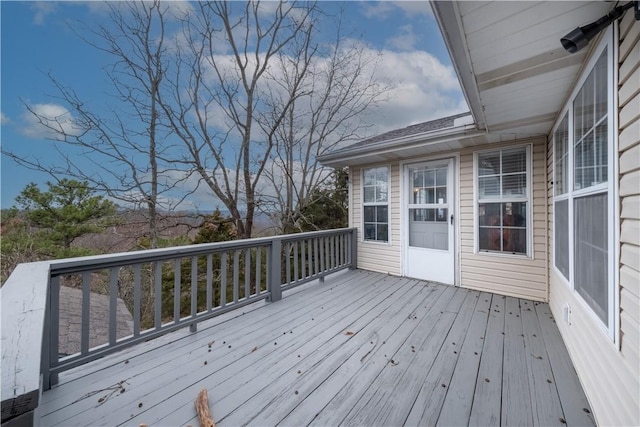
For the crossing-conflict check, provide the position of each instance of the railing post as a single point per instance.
(353, 240)
(54, 327)
(45, 359)
(275, 270)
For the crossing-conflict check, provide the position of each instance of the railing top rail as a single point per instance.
(71, 265)
(23, 297)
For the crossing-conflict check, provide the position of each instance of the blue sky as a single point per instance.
(36, 40)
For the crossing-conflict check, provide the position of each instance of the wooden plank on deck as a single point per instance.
(487, 400)
(456, 409)
(575, 405)
(516, 400)
(321, 350)
(355, 375)
(314, 374)
(172, 361)
(427, 403)
(545, 403)
(321, 320)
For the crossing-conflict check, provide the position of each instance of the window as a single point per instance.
(502, 190)
(583, 190)
(561, 204)
(376, 204)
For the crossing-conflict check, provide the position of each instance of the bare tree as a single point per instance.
(338, 84)
(239, 97)
(233, 49)
(265, 96)
(124, 152)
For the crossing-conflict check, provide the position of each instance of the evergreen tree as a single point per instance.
(68, 210)
(215, 228)
(328, 208)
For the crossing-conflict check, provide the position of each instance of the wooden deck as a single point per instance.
(361, 348)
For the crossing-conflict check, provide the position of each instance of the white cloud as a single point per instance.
(424, 89)
(41, 9)
(4, 120)
(378, 9)
(49, 121)
(413, 8)
(405, 40)
(382, 10)
(178, 9)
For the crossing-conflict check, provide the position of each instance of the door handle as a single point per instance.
(451, 219)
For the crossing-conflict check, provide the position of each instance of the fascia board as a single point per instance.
(429, 138)
(447, 14)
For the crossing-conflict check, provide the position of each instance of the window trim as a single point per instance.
(606, 41)
(529, 200)
(387, 204)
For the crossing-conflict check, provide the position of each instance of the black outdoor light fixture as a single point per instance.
(580, 37)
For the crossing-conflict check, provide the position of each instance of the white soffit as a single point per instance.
(521, 75)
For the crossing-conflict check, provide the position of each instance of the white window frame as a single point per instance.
(363, 204)
(610, 187)
(528, 199)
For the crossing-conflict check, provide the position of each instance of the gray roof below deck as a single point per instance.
(417, 129)
(444, 134)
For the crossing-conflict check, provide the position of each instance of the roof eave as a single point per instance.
(447, 15)
(345, 157)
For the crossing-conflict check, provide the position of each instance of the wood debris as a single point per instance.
(202, 408)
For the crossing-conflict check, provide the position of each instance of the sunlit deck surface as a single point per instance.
(361, 348)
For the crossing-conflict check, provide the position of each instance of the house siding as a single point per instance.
(512, 275)
(377, 256)
(610, 371)
(517, 276)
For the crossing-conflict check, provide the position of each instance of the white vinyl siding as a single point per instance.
(510, 275)
(629, 151)
(505, 274)
(610, 372)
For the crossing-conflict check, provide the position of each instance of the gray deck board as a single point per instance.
(361, 348)
(357, 393)
(572, 398)
(456, 408)
(487, 398)
(516, 399)
(428, 404)
(545, 402)
(280, 398)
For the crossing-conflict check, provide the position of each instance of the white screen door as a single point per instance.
(430, 214)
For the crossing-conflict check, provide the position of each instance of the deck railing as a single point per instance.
(164, 289)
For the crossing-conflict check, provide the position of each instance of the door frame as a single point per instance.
(404, 212)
